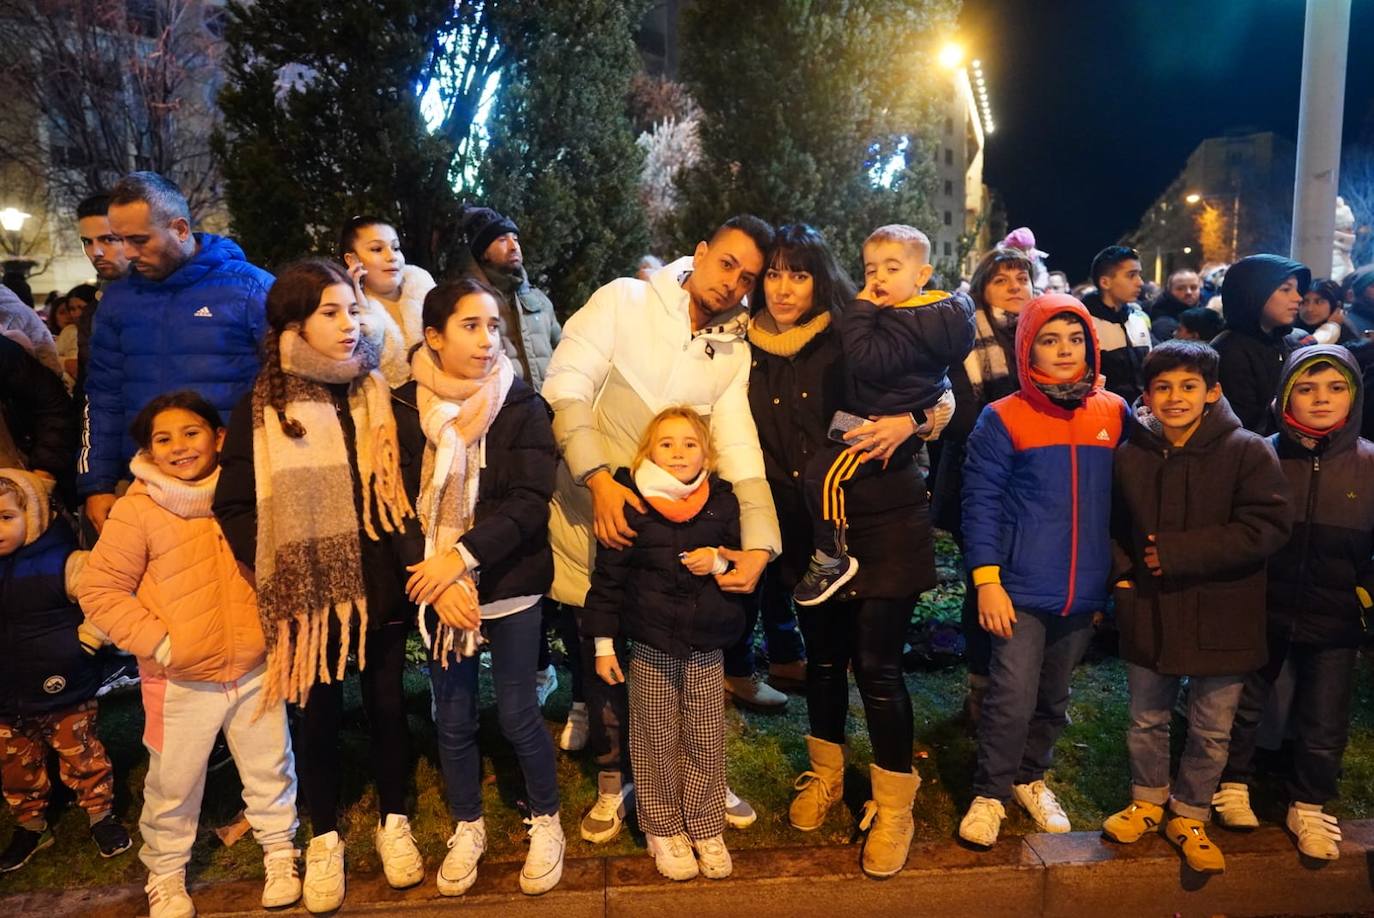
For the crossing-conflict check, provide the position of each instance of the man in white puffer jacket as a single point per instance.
(634, 349)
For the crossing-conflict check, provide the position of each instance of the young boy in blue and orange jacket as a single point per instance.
(1037, 515)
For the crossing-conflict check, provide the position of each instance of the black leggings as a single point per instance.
(870, 634)
(317, 758)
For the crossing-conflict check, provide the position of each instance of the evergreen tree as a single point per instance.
(562, 162)
(322, 122)
(806, 107)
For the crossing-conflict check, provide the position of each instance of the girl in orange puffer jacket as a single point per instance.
(164, 585)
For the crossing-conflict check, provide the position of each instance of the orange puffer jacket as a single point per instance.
(163, 569)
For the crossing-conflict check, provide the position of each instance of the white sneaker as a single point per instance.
(982, 822)
(1318, 833)
(1042, 805)
(738, 813)
(323, 889)
(401, 861)
(1232, 803)
(605, 819)
(544, 861)
(574, 735)
(167, 896)
(466, 846)
(282, 885)
(713, 858)
(545, 683)
(672, 856)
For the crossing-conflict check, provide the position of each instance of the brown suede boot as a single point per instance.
(889, 816)
(818, 788)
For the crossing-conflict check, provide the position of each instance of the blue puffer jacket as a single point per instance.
(200, 328)
(44, 668)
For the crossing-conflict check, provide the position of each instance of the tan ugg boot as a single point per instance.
(889, 816)
(818, 788)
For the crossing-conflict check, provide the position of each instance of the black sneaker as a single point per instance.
(824, 580)
(23, 845)
(111, 837)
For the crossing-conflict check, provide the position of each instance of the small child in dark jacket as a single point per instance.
(899, 342)
(1320, 585)
(661, 593)
(49, 678)
(1200, 505)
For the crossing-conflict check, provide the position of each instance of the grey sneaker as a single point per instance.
(738, 813)
(605, 819)
(823, 580)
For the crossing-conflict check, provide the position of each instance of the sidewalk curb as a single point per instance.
(1078, 874)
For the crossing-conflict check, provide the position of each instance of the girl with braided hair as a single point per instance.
(311, 503)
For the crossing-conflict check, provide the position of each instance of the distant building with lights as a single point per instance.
(1234, 197)
(963, 202)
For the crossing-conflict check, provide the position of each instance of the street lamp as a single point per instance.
(1233, 199)
(12, 219)
(951, 55)
(1193, 198)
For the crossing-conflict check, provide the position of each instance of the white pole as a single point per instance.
(1326, 38)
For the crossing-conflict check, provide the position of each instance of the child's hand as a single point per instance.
(356, 273)
(433, 575)
(608, 668)
(872, 293)
(701, 561)
(995, 612)
(1152, 557)
(457, 608)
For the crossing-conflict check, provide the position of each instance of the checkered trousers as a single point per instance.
(677, 742)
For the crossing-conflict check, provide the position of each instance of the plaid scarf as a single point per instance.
(309, 558)
(986, 364)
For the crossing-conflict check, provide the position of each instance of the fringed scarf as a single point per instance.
(986, 364)
(187, 499)
(455, 414)
(309, 558)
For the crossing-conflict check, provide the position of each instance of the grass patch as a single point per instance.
(764, 752)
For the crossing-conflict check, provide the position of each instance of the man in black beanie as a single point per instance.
(529, 327)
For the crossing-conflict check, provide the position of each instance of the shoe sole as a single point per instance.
(116, 853)
(543, 884)
(284, 904)
(44, 842)
(1316, 857)
(600, 838)
(833, 588)
(740, 822)
(1123, 840)
(319, 909)
(755, 706)
(454, 887)
(715, 875)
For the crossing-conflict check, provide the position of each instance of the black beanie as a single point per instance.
(483, 226)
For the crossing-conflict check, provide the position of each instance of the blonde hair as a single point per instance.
(699, 425)
(10, 486)
(916, 242)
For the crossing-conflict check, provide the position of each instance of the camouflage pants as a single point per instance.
(82, 763)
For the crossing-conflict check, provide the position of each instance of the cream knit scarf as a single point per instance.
(455, 414)
(309, 559)
(187, 499)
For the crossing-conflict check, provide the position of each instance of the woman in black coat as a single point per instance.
(1000, 288)
(796, 383)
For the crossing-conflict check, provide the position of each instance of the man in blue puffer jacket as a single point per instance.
(189, 316)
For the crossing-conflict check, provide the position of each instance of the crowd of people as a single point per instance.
(282, 478)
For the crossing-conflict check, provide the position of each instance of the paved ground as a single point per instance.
(1078, 874)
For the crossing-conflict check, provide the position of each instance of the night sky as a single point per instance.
(1098, 103)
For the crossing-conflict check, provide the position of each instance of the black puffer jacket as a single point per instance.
(792, 399)
(1218, 508)
(1313, 579)
(646, 594)
(510, 532)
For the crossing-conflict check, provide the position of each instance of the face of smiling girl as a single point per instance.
(183, 445)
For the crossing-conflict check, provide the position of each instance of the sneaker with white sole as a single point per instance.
(1232, 803)
(401, 861)
(606, 818)
(325, 883)
(466, 846)
(1317, 833)
(713, 858)
(823, 579)
(167, 897)
(282, 882)
(983, 821)
(672, 856)
(544, 861)
(545, 683)
(573, 737)
(1042, 805)
(738, 813)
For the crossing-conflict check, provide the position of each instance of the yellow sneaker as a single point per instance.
(1190, 836)
(1132, 823)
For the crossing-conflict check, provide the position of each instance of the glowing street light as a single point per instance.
(1193, 198)
(1187, 250)
(951, 55)
(13, 219)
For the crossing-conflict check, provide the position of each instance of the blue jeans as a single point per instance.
(1212, 704)
(514, 642)
(1027, 697)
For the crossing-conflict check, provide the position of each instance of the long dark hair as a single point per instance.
(293, 298)
(800, 247)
